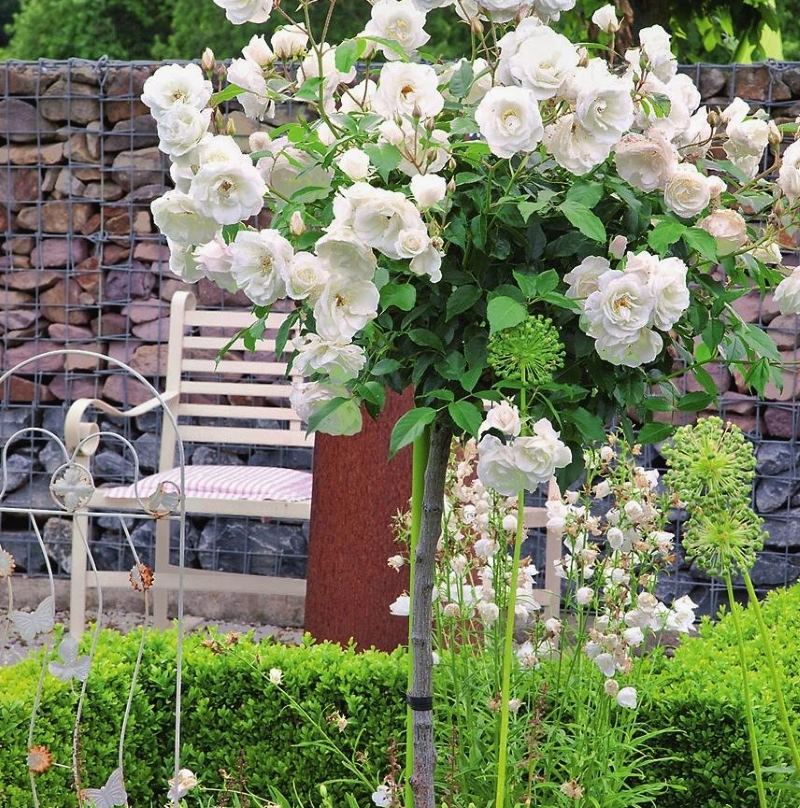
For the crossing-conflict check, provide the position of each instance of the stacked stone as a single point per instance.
(82, 266)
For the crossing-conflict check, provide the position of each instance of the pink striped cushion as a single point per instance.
(252, 483)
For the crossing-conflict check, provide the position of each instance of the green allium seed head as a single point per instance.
(711, 464)
(531, 350)
(724, 540)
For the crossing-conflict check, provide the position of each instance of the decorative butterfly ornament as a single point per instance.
(112, 794)
(40, 621)
(71, 666)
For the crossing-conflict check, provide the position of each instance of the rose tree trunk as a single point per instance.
(422, 617)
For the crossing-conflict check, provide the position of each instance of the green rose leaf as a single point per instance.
(701, 242)
(590, 426)
(384, 157)
(655, 433)
(348, 53)
(462, 298)
(409, 427)
(466, 415)
(665, 234)
(461, 80)
(581, 217)
(401, 295)
(504, 312)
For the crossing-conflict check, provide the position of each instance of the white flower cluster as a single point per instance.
(518, 462)
(623, 308)
(612, 562)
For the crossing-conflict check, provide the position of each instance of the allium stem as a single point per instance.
(775, 675)
(419, 460)
(508, 645)
(748, 699)
(422, 782)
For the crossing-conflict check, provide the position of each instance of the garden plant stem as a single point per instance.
(777, 684)
(508, 649)
(748, 700)
(419, 460)
(422, 780)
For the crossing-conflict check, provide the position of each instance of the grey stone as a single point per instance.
(57, 536)
(712, 81)
(775, 458)
(147, 447)
(13, 420)
(288, 458)
(213, 456)
(34, 495)
(20, 122)
(138, 167)
(771, 494)
(134, 133)
(783, 530)
(71, 101)
(791, 78)
(134, 281)
(25, 549)
(51, 457)
(18, 469)
(270, 549)
(775, 569)
(110, 465)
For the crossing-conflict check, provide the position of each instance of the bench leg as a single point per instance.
(77, 584)
(160, 593)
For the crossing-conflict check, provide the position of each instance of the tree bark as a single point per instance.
(422, 781)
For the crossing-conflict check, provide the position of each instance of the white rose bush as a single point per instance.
(539, 225)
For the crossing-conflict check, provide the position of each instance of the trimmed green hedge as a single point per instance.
(233, 719)
(697, 698)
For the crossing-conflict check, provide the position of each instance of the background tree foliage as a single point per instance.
(705, 30)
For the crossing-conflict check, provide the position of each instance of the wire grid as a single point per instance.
(102, 279)
(82, 266)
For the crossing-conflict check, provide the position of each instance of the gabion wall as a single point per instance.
(81, 265)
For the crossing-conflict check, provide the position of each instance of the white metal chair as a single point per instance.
(192, 376)
(550, 595)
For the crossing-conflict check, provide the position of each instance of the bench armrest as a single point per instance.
(76, 429)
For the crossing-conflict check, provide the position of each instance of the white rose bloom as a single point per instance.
(695, 139)
(687, 192)
(504, 417)
(509, 120)
(412, 242)
(627, 698)
(332, 78)
(767, 253)
(735, 112)
(242, 11)
(510, 43)
(746, 143)
(604, 106)
(391, 132)
(308, 397)
(250, 76)
(341, 361)
(400, 21)
(400, 607)
(670, 293)
(289, 41)
(229, 189)
(617, 247)
(306, 276)
(655, 42)
(681, 87)
(548, 10)
(583, 279)
(359, 97)
(182, 129)
(542, 62)
(644, 263)
(540, 454)
(428, 189)
(288, 171)
(620, 308)
(182, 263)
(787, 294)
(605, 18)
(644, 162)
(498, 468)
(180, 218)
(215, 259)
(424, 151)
(259, 261)
(175, 85)
(728, 228)
(354, 163)
(501, 11)
(407, 89)
(345, 307)
(258, 52)
(574, 147)
(344, 254)
(376, 216)
(641, 350)
(789, 173)
(428, 262)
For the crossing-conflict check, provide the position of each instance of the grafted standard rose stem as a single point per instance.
(748, 699)
(777, 683)
(419, 461)
(422, 783)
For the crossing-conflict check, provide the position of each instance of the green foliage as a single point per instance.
(233, 718)
(696, 698)
(59, 29)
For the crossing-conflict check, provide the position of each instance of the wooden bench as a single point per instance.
(199, 391)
